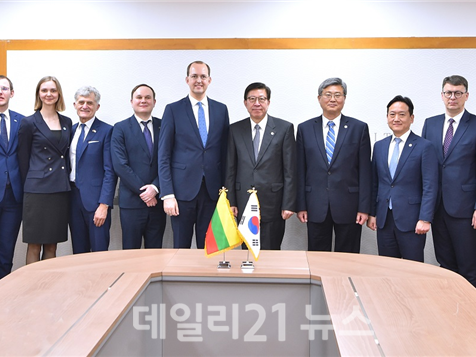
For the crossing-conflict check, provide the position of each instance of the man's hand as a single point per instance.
(372, 223)
(361, 218)
(302, 216)
(148, 195)
(100, 215)
(285, 214)
(171, 206)
(234, 210)
(423, 227)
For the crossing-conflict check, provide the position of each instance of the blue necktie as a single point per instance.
(4, 131)
(148, 137)
(330, 141)
(79, 147)
(394, 162)
(202, 125)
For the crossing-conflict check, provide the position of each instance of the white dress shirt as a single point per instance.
(74, 143)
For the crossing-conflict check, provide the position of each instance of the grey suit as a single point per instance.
(273, 174)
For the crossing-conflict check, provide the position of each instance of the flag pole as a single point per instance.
(224, 264)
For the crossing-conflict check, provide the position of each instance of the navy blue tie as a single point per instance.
(4, 131)
(148, 137)
(79, 147)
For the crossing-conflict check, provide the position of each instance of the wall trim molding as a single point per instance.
(234, 44)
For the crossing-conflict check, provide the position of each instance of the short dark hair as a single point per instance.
(400, 98)
(142, 85)
(258, 85)
(9, 81)
(198, 62)
(456, 81)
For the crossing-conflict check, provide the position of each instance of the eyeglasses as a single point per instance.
(4, 89)
(458, 94)
(329, 95)
(202, 77)
(260, 99)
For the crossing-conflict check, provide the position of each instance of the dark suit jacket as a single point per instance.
(132, 161)
(457, 171)
(44, 162)
(273, 174)
(95, 176)
(414, 187)
(182, 158)
(9, 160)
(344, 185)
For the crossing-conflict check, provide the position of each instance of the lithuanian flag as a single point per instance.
(222, 233)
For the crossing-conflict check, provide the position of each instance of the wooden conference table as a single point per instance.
(170, 302)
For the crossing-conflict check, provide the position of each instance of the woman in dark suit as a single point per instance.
(43, 144)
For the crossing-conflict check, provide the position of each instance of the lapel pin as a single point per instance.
(272, 133)
(94, 130)
(15, 120)
(64, 128)
(410, 145)
(345, 126)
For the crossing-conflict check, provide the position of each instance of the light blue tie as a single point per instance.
(330, 141)
(202, 125)
(394, 162)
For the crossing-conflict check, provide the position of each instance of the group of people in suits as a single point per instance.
(55, 172)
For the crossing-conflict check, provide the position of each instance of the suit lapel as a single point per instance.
(318, 132)
(14, 126)
(247, 138)
(407, 150)
(156, 128)
(192, 120)
(343, 130)
(90, 137)
(440, 122)
(45, 130)
(386, 148)
(463, 125)
(268, 136)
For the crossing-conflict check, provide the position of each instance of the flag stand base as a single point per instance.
(247, 265)
(224, 264)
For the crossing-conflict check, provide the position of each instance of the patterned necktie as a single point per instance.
(448, 137)
(4, 131)
(79, 147)
(394, 162)
(148, 137)
(202, 125)
(330, 141)
(256, 141)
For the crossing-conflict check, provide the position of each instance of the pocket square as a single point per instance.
(93, 141)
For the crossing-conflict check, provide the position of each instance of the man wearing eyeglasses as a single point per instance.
(454, 136)
(334, 173)
(262, 154)
(11, 190)
(192, 154)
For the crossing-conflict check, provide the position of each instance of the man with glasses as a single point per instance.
(334, 173)
(11, 190)
(262, 154)
(192, 154)
(453, 134)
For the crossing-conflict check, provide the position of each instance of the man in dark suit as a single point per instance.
(404, 186)
(262, 154)
(11, 191)
(93, 181)
(192, 153)
(453, 135)
(134, 146)
(333, 158)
